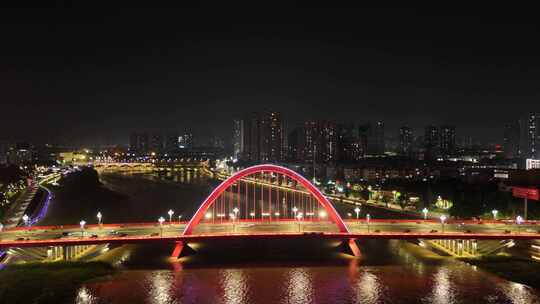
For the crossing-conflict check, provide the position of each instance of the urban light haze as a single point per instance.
(106, 72)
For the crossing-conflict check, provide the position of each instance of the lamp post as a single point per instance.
(494, 212)
(232, 216)
(235, 210)
(394, 195)
(99, 217)
(82, 223)
(170, 213)
(161, 220)
(519, 221)
(294, 210)
(25, 219)
(425, 212)
(299, 218)
(443, 218)
(368, 218)
(357, 210)
(179, 219)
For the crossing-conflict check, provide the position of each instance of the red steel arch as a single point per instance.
(332, 214)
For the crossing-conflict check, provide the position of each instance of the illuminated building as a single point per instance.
(532, 129)
(185, 141)
(238, 138)
(448, 139)
(171, 142)
(139, 143)
(379, 140)
(531, 164)
(511, 140)
(405, 140)
(263, 139)
(431, 141)
(156, 143)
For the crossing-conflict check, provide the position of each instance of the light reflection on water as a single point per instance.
(390, 273)
(235, 287)
(299, 286)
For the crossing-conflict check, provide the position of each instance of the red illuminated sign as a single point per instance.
(528, 193)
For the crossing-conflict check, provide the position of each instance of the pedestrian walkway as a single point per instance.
(17, 210)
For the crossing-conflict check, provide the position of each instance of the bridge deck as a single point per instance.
(152, 233)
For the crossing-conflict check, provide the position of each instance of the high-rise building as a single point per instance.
(431, 141)
(263, 138)
(364, 138)
(293, 142)
(348, 148)
(156, 143)
(139, 143)
(379, 146)
(217, 142)
(319, 141)
(405, 140)
(238, 138)
(275, 137)
(185, 141)
(327, 141)
(448, 139)
(308, 139)
(511, 140)
(532, 136)
(171, 142)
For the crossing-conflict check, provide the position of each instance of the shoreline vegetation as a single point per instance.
(48, 282)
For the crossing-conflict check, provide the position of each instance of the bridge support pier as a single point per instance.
(350, 247)
(354, 248)
(177, 250)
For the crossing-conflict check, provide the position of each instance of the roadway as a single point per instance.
(150, 232)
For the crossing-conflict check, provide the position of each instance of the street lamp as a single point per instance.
(443, 218)
(394, 194)
(170, 213)
(368, 218)
(82, 223)
(294, 210)
(179, 218)
(494, 212)
(357, 210)
(99, 217)
(25, 219)
(235, 210)
(161, 220)
(519, 221)
(425, 212)
(299, 218)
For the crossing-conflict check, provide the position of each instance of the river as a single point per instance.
(388, 272)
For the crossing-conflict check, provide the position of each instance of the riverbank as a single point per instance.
(511, 268)
(24, 283)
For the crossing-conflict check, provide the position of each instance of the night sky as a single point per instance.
(87, 75)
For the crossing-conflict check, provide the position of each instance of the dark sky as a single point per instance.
(92, 75)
